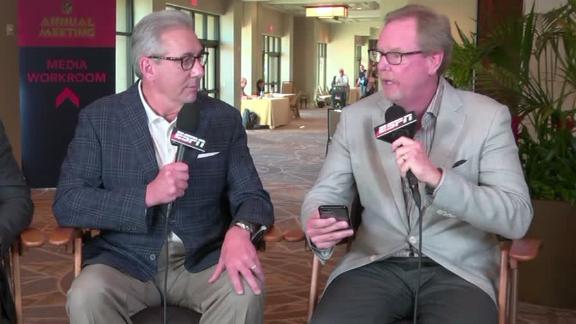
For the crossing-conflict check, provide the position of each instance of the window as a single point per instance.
(124, 25)
(207, 29)
(271, 63)
(321, 68)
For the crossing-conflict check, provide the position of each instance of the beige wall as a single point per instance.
(230, 53)
(305, 40)
(462, 12)
(340, 50)
(256, 22)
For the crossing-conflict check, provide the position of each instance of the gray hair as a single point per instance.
(147, 33)
(433, 30)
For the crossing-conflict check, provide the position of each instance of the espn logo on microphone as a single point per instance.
(180, 137)
(394, 125)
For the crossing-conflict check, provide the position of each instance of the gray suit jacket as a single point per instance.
(484, 196)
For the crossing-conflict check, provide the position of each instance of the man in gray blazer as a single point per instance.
(470, 180)
(120, 174)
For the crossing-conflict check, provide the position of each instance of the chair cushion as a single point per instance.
(153, 315)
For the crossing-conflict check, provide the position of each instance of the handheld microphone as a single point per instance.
(399, 123)
(186, 125)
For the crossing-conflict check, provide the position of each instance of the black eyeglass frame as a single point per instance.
(202, 58)
(374, 53)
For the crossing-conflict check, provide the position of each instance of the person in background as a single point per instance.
(465, 163)
(16, 211)
(259, 88)
(120, 174)
(243, 84)
(372, 83)
(340, 87)
(362, 81)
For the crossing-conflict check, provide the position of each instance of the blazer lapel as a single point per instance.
(135, 127)
(202, 132)
(449, 128)
(388, 161)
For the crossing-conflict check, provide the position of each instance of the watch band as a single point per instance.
(246, 226)
(256, 231)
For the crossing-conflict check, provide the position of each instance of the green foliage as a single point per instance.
(529, 64)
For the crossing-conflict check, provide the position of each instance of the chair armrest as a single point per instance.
(294, 234)
(525, 249)
(273, 234)
(32, 237)
(63, 235)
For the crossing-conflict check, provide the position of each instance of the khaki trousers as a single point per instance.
(102, 294)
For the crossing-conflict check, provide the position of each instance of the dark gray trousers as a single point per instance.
(383, 292)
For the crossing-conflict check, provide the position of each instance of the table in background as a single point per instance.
(273, 111)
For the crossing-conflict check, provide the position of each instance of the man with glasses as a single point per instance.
(465, 163)
(120, 174)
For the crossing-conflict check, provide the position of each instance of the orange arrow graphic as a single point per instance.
(67, 94)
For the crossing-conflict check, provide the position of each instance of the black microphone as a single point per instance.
(399, 123)
(186, 125)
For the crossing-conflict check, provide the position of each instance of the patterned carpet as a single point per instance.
(288, 159)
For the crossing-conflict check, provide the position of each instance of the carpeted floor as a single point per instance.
(288, 159)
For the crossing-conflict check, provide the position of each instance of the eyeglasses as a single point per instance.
(186, 61)
(393, 58)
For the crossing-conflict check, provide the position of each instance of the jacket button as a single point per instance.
(412, 240)
(152, 257)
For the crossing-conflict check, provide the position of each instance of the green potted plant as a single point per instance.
(529, 64)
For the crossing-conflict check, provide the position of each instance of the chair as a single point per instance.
(511, 253)
(73, 237)
(322, 97)
(333, 117)
(294, 105)
(287, 87)
(29, 238)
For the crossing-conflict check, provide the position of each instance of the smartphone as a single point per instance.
(340, 212)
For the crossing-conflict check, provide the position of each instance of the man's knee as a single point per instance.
(246, 301)
(87, 294)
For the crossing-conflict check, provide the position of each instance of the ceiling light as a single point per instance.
(327, 11)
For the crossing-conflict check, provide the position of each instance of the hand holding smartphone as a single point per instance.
(339, 212)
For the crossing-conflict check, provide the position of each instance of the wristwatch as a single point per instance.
(256, 231)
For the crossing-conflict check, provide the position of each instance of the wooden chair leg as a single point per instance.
(17, 281)
(503, 290)
(513, 291)
(313, 298)
(77, 255)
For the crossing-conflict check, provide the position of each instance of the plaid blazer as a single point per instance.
(110, 161)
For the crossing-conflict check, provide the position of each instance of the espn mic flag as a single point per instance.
(186, 125)
(398, 123)
(180, 137)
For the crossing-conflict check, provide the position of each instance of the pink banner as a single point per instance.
(67, 23)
